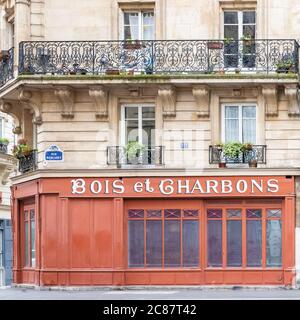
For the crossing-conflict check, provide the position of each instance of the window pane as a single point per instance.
(249, 130)
(253, 213)
(234, 243)
(135, 213)
(32, 233)
(131, 26)
(148, 33)
(231, 112)
(132, 131)
(136, 243)
(1, 248)
(273, 213)
(231, 32)
(231, 130)
(26, 244)
(254, 243)
(153, 213)
(154, 243)
(214, 213)
(172, 213)
(214, 243)
(249, 112)
(274, 251)
(234, 213)
(131, 112)
(131, 18)
(148, 18)
(249, 17)
(148, 132)
(190, 243)
(249, 30)
(230, 17)
(148, 112)
(172, 243)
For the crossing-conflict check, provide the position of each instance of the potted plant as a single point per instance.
(132, 44)
(4, 55)
(134, 150)
(216, 45)
(248, 146)
(237, 71)
(233, 150)
(3, 145)
(285, 66)
(22, 149)
(247, 39)
(112, 71)
(252, 163)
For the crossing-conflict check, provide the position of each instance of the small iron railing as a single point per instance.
(6, 66)
(117, 155)
(257, 153)
(28, 162)
(158, 56)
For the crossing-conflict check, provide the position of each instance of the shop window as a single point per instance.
(29, 241)
(138, 25)
(239, 123)
(225, 248)
(163, 238)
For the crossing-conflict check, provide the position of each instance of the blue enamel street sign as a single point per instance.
(54, 153)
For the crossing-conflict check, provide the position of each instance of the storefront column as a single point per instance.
(118, 242)
(289, 241)
(16, 241)
(297, 231)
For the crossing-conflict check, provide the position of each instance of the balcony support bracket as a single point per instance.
(32, 101)
(292, 94)
(202, 97)
(270, 95)
(167, 100)
(65, 98)
(99, 95)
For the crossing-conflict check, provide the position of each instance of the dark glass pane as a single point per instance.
(214, 213)
(132, 130)
(136, 243)
(230, 17)
(154, 243)
(249, 61)
(253, 213)
(254, 243)
(31, 214)
(131, 113)
(234, 213)
(231, 32)
(172, 243)
(214, 243)
(231, 61)
(249, 30)
(153, 213)
(135, 213)
(148, 137)
(190, 243)
(172, 213)
(234, 243)
(231, 48)
(249, 17)
(274, 213)
(190, 213)
(274, 247)
(148, 112)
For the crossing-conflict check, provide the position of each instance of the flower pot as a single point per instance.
(112, 72)
(252, 164)
(222, 164)
(215, 45)
(132, 45)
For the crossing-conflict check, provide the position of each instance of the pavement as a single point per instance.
(237, 293)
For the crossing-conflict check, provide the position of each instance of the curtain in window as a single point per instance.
(249, 124)
(231, 123)
(148, 25)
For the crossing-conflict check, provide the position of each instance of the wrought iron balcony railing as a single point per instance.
(257, 153)
(6, 66)
(158, 56)
(28, 162)
(117, 155)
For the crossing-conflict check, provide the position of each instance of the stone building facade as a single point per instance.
(130, 107)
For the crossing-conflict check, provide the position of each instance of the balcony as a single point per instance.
(28, 162)
(153, 156)
(257, 154)
(6, 66)
(158, 57)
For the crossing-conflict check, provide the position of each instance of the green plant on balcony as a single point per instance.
(22, 149)
(4, 141)
(228, 41)
(285, 66)
(134, 149)
(233, 150)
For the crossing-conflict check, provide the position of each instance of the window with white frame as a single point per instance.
(239, 123)
(239, 25)
(138, 25)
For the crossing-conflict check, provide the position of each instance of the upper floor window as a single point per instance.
(239, 24)
(239, 123)
(138, 25)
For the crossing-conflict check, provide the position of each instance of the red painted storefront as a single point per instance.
(189, 231)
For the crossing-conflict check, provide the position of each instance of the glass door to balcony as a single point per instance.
(138, 133)
(239, 36)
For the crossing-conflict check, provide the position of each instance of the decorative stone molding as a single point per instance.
(202, 97)
(270, 95)
(65, 98)
(99, 95)
(7, 164)
(292, 93)
(32, 101)
(167, 100)
(13, 109)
